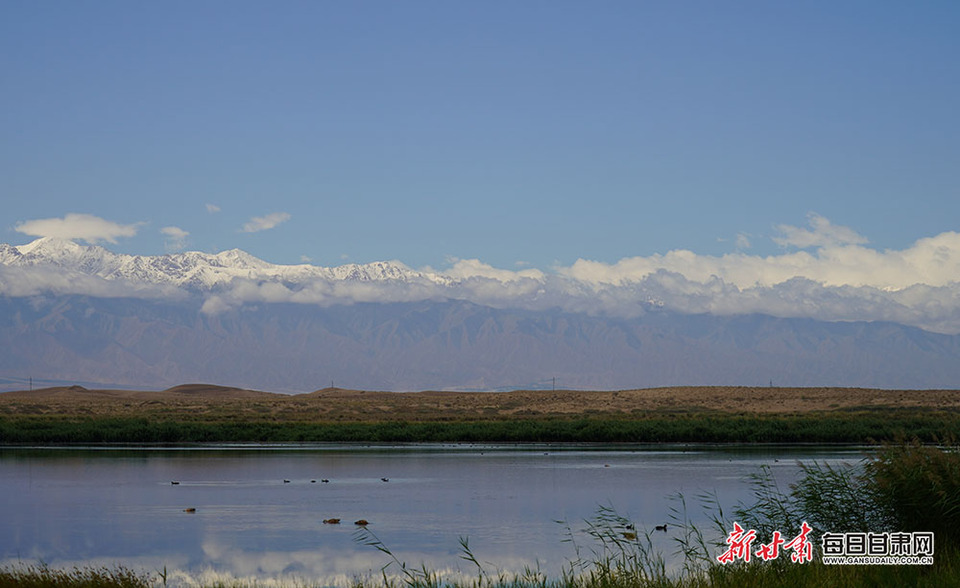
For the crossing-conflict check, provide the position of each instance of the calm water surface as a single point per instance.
(107, 506)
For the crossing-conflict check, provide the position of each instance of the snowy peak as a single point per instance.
(378, 270)
(49, 246)
(239, 259)
(9, 254)
(52, 249)
(88, 259)
(192, 269)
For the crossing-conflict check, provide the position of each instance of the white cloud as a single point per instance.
(38, 280)
(215, 305)
(175, 238)
(471, 268)
(933, 261)
(85, 227)
(263, 223)
(212, 208)
(821, 234)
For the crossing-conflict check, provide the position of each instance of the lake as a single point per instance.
(260, 509)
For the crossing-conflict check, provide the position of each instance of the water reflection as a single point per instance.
(259, 511)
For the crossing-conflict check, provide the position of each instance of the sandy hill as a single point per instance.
(185, 390)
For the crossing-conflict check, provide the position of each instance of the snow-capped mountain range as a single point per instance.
(628, 289)
(194, 270)
(79, 313)
(234, 278)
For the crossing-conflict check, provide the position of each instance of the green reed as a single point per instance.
(653, 428)
(43, 576)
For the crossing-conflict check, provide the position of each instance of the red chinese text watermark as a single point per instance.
(740, 546)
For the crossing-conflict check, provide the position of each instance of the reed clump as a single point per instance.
(905, 486)
(43, 576)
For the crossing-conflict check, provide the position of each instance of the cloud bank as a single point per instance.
(85, 227)
(826, 272)
(838, 260)
(834, 276)
(41, 281)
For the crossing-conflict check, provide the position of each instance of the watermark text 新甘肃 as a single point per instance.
(740, 546)
(914, 548)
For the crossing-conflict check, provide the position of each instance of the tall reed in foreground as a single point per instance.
(42, 576)
(903, 486)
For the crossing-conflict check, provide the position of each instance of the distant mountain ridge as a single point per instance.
(452, 345)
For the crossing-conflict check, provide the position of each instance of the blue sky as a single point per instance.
(522, 134)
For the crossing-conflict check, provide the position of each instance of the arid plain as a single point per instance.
(200, 401)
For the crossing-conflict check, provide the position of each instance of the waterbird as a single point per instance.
(662, 527)
(191, 509)
(286, 481)
(361, 522)
(325, 481)
(313, 481)
(384, 479)
(629, 536)
(175, 483)
(331, 521)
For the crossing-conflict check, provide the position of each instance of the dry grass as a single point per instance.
(200, 401)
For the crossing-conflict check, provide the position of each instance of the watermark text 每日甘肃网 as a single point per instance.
(901, 548)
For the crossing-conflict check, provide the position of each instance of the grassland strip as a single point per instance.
(826, 427)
